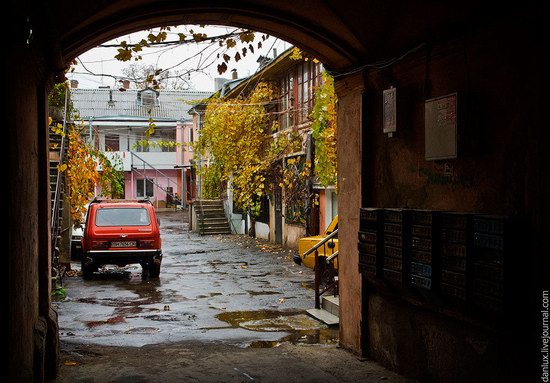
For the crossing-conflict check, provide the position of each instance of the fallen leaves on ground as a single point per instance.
(73, 273)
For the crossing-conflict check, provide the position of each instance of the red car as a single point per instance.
(121, 232)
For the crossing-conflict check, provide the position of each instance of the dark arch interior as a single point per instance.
(494, 57)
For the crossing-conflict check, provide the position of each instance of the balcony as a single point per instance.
(159, 160)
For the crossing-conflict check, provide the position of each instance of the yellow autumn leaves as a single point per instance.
(82, 171)
(238, 141)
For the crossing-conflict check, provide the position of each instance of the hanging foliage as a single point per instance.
(211, 181)
(238, 139)
(87, 167)
(239, 40)
(295, 174)
(324, 132)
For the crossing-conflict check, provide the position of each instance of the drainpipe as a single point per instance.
(199, 162)
(90, 129)
(309, 181)
(132, 180)
(184, 187)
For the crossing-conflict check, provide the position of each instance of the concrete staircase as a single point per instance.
(329, 312)
(211, 217)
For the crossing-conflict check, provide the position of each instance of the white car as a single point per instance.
(76, 238)
(76, 241)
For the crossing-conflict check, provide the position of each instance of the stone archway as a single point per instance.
(332, 42)
(490, 46)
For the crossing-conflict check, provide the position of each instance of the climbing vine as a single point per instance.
(212, 181)
(324, 132)
(295, 173)
(85, 168)
(238, 137)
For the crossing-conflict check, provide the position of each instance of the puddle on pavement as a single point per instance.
(307, 284)
(320, 336)
(171, 317)
(142, 330)
(113, 320)
(302, 328)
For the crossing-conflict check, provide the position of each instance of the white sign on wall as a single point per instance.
(440, 127)
(390, 115)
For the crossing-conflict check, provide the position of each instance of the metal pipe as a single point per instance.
(317, 281)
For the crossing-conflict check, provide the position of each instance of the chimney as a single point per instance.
(234, 74)
(74, 84)
(126, 84)
(274, 53)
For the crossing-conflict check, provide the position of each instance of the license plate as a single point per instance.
(124, 244)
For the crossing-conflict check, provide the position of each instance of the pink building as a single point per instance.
(155, 166)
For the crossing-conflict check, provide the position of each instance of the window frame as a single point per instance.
(144, 191)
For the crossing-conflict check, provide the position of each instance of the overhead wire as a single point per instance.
(378, 64)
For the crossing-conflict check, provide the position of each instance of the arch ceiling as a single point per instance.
(342, 34)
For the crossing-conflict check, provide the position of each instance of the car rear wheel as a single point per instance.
(88, 270)
(151, 270)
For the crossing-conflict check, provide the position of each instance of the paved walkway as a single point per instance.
(226, 309)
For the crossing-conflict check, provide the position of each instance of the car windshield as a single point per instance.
(122, 217)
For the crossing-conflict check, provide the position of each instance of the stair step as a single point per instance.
(211, 209)
(214, 232)
(215, 226)
(324, 316)
(54, 156)
(213, 214)
(209, 202)
(331, 304)
(214, 220)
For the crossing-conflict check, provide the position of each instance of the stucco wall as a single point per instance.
(169, 179)
(502, 168)
(23, 208)
(291, 234)
(349, 91)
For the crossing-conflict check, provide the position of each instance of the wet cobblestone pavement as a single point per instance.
(232, 289)
(225, 309)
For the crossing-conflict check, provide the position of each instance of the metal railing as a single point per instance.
(200, 218)
(172, 194)
(324, 267)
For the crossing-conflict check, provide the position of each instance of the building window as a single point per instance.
(286, 117)
(191, 134)
(168, 139)
(308, 78)
(148, 97)
(295, 167)
(141, 148)
(112, 142)
(144, 188)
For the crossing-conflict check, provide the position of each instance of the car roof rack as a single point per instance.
(110, 200)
